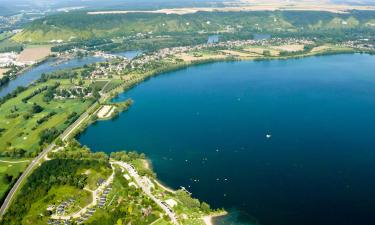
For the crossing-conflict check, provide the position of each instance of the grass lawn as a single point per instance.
(99, 84)
(94, 176)
(196, 221)
(112, 85)
(22, 133)
(161, 221)
(13, 169)
(5, 35)
(7, 45)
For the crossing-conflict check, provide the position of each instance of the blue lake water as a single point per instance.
(205, 128)
(261, 36)
(45, 67)
(129, 54)
(213, 39)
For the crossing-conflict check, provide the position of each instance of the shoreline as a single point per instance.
(148, 165)
(208, 220)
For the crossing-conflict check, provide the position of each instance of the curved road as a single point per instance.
(40, 157)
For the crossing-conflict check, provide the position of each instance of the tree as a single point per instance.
(48, 135)
(205, 207)
(266, 52)
(59, 142)
(8, 178)
(36, 108)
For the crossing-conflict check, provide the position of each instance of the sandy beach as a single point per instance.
(208, 220)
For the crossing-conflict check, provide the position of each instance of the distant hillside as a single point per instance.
(81, 26)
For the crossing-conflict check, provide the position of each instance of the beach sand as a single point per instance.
(208, 220)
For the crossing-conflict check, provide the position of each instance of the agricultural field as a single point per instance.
(34, 54)
(24, 117)
(9, 171)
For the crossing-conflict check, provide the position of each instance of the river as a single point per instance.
(284, 142)
(50, 65)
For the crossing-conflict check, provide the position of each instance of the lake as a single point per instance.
(213, 39)
(283, 142)
(128, 54)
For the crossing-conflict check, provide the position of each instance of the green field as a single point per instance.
(5, 35)
(10, 167)
(95, 175)
(21, 129)
(7, 45)
(112, 85)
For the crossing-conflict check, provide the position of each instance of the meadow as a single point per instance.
(22, 122)
(9, 171)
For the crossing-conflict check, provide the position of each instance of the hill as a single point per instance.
(80, 26)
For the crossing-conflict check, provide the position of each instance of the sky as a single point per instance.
(11, 6)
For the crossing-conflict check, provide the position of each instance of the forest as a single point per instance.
(50, 173)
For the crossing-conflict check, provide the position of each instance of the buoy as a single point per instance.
(268, 136)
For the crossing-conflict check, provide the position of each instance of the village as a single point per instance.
(67, 212)
(241, 49)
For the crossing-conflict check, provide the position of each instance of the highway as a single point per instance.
(36, 162)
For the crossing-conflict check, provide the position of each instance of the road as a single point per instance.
(147, 191)
(36, 162)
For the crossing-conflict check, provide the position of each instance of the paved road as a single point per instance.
(147, 191)
(40, 157)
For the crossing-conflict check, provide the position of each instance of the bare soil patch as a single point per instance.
(289, 48)
(34, 54)
(260, 51)
(190, 58)
(320, 48)
(2, 71)
(240, 54)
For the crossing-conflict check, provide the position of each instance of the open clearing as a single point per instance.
(21, 133)
(2, 71)
(321, 48)
(105, 112)
(190, 57)
(34, 54)
(289, 48)
(260, 50)
(238, 53)
(10, 167)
